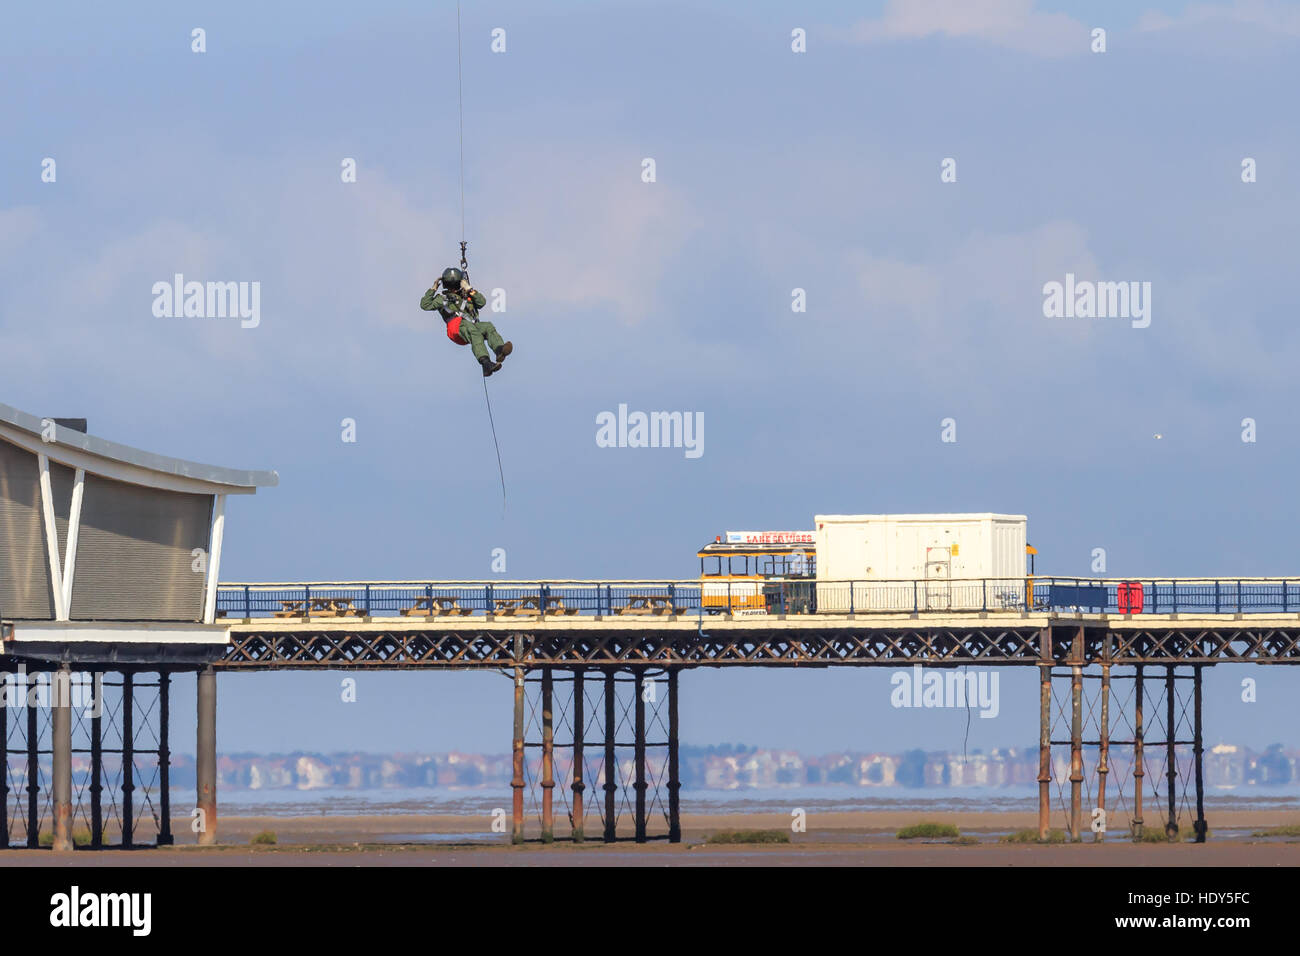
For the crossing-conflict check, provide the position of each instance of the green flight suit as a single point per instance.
(451, 304)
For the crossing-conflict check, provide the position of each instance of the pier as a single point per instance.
(110, 587)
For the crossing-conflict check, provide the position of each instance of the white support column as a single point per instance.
(214, 560)
(51, 539)
(74, 527)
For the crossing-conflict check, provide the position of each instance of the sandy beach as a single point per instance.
(833, 838)
(833, 827)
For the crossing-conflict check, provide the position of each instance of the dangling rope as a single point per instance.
(500, 470)
(464, 265)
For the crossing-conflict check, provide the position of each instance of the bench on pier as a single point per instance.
(648, 604)
(439, 606)
(531, 604)
(555, 605)
(319, 607)
(516, 607)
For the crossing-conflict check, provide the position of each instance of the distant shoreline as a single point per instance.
(479, 802)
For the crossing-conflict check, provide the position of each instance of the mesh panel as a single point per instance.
(134, 553)
(24, 574)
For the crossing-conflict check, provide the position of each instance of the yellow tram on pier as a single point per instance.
(759, 572)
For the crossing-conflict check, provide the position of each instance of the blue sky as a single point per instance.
(775, 170)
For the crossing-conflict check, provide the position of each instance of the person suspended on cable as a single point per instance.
(458, 302)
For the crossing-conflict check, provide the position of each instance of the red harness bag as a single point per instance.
(453, 331)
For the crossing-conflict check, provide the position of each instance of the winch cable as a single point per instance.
(464, 264)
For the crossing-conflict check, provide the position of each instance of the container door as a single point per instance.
(938, 577)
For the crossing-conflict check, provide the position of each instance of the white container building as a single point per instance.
(922, 562)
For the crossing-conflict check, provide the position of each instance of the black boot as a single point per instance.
(504, 351)
(489, 366)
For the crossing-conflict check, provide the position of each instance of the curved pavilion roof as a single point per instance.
(99, 456)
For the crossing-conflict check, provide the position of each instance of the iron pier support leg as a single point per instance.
(517, 761)
(674, 775)
(97, 766)
(611, 761)
(33, 779)
(128, 758)
(1044, 747)
(165, 837)
(205, 763)
(548, 756)
(640, 785)
(1197, 749)
(1171, 827)
(1076, 752)
(61, 747)
(1103, 748)
(579, 733)
(1139, 771)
